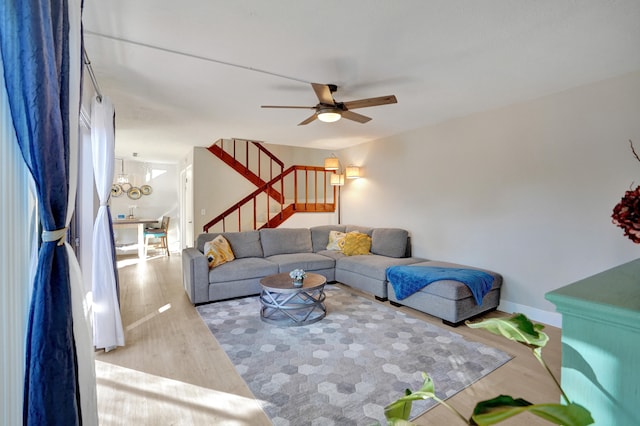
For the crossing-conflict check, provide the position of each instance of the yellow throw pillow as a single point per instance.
(336, 240)
(218, 251)
(356, 243)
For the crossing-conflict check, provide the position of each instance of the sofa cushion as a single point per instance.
(218, 251)
(285, 240)
(372, 266)
(390, 242)
(361, 229)
(201, 239)
(332, 254)
(307, 261)
(242, 269)
(245, 244)
(320, 236)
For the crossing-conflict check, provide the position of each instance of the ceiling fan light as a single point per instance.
(329, 115)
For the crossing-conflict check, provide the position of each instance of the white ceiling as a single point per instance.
(186, 73)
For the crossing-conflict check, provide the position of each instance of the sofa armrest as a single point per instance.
(195, 275)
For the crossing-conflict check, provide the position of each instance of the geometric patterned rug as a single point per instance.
(345, 368)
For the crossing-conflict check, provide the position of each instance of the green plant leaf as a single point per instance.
(569, 415)
(499, 401)
(517, 328)
(399, 422)
(503, 407)
(495, 410)
(427, 386)
(401, 408)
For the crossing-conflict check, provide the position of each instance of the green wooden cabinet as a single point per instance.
(601, 343)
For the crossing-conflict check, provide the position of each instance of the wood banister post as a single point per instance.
(255, 215)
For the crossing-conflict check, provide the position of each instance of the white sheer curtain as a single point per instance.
(107, 324)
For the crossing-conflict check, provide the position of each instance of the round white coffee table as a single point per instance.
(286, 305)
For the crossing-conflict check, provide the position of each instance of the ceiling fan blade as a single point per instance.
(308, 120)
(323, 93)
(355, 116)
(284, 106)
(369, 102)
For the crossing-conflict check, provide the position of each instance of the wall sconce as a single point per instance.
(353, 172)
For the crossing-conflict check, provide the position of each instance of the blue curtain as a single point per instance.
(34, 44)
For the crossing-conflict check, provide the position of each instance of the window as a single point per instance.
(18, 228)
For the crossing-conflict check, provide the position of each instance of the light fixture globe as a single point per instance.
(337, 179)
(331, 163)
(123, 178)
(329, 114)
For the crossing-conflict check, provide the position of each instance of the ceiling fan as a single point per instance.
(328, 110)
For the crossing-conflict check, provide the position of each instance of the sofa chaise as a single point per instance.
(450, 300)
(275, 250)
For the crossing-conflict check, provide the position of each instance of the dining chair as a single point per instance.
(158, 233)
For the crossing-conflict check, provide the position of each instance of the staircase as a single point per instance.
(279, 193)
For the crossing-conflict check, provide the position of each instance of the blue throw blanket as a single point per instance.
(406, 280)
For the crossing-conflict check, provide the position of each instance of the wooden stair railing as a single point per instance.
(310, 194)
(241, 160)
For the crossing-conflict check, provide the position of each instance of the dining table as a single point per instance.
(140, 224)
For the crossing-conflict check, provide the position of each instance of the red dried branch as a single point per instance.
(633, 150)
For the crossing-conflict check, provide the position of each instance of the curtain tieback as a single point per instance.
(104, 204)
(58, 235)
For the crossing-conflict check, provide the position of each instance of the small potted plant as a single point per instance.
(298, 276)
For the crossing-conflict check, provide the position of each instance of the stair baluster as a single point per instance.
(268, 188)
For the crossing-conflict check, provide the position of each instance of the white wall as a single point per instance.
(525, 190)
(216, 187)
(308, 220)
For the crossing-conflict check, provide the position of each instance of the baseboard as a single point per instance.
(534, 314)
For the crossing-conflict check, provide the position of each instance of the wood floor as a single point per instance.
(173, 372)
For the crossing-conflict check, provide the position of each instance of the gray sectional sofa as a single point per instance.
(271, 251)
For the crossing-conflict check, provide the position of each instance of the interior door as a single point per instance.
(186, 196)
